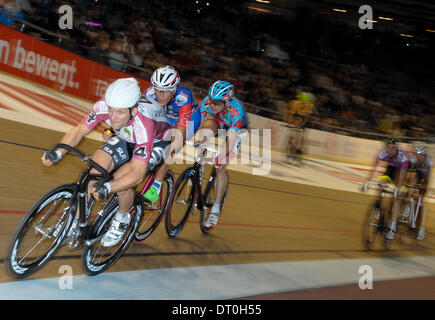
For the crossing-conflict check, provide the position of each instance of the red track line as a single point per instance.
(236, 224)
(13, 211)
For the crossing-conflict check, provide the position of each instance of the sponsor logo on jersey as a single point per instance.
(113, 141)
(239, 124)
(233, 112)
(150, 92)
(91, 117)
(140, 132)
(101, 107)
(181, 98)
(127, 132)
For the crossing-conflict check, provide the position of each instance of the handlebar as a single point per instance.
(84, 157)
(200, 146)
(383, 186)
(201, 157)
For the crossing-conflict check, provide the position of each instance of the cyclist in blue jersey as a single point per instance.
(221, 110)
(395, 173)
(182, 111)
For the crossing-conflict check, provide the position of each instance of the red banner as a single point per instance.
(43, 63)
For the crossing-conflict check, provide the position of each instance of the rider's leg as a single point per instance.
(153, 193)
(397, 176)
(208, 130)
(422, 228)
(122, 218)
(221, 183)
(159, 157)
(104, 160)
(220, 186)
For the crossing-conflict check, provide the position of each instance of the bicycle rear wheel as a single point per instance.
(96, 258)
(181, 203)
(154, 213)
(41, 232)
(209, 198)
(373, 225)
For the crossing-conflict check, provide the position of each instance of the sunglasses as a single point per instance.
(216, 102)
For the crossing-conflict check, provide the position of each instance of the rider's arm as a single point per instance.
(372, 172)
(74, 136)
(402, 176)
(178, 139)
(425, 183)
(184, 117)
(71, 138)
(232, 139)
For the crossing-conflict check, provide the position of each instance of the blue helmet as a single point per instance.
(221, 90)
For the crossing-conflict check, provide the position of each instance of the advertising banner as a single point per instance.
(48, 65)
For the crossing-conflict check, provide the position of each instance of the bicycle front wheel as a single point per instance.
(95, 257)
(373, 225)
(209, 199)
(41, 232)
(181, 204)
(154, 213)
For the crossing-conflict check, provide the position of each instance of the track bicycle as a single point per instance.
(376, 222)
(46, 225)
(411, 212)
(188, 196)
(94, 254)
(293, 153)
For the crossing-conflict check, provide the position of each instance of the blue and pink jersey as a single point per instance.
(233, 117)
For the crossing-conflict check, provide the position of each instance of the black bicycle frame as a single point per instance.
(83, 182)
(197, 183)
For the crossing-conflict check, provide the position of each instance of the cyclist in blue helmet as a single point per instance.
(221, 110)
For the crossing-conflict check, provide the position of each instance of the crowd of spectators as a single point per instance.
(364, 80)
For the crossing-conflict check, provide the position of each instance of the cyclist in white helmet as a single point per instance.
(140, 127)
(420, 165)
(182, 111)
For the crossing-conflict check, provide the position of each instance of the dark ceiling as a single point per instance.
(407, 14)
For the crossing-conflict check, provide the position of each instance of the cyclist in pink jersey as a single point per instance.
(395, 173)
(137, 147)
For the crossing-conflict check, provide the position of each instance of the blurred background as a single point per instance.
(377, 80)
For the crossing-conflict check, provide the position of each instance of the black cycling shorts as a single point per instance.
(121, 152)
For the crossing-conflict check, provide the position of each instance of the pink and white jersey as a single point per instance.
(149, 125)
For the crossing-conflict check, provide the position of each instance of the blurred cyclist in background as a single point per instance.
(420, 166)
(395, 173)
(221, 110)
(298, 113)
(182, 111)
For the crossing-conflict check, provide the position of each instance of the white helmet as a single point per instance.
(420, 149)
(123, 93)
(165, 78)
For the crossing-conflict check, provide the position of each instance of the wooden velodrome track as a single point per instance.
(265, 220)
